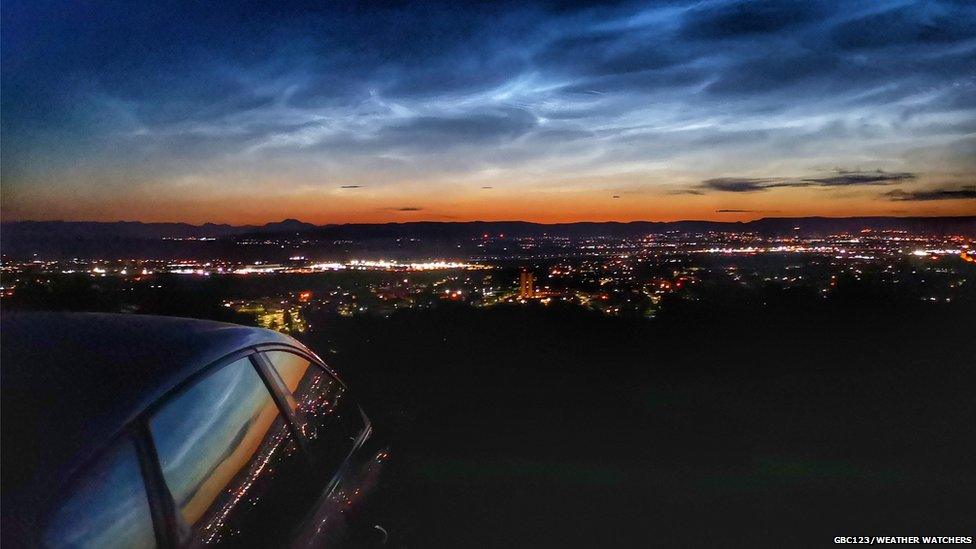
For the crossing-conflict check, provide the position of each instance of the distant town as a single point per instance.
(301, 278)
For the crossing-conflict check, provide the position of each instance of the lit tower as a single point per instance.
(526, 285)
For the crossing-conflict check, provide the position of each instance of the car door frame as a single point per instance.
(344, 468)
(161, 502)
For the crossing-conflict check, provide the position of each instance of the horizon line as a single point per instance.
(459, 222)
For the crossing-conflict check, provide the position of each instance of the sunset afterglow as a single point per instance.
(657, 111)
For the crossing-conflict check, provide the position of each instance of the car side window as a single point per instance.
(106, 506)
(329, 419)
(229, 459)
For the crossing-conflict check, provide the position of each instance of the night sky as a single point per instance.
(341, 112)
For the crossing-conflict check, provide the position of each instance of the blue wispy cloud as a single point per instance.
(443, 92)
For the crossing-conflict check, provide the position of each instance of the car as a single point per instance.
(139, 431)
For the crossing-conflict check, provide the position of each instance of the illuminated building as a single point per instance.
(526, 285)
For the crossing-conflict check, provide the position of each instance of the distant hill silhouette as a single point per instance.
(37, 232)
(65, 239)
(770, 226)
(136, 229)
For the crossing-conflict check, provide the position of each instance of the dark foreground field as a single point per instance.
(776, 425)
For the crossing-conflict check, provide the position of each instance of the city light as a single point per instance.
(625, 276)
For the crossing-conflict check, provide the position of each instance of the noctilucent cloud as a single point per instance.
(339, 112)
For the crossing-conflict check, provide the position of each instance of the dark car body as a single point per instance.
(128, 430)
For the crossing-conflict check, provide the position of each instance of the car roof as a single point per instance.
(72, 381)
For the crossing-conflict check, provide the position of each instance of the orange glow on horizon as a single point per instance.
(551, 205)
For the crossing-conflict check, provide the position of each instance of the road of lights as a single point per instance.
(355, 264)
(386, 265)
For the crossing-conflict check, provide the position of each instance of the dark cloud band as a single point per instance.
(843, 178)
(966, 192)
